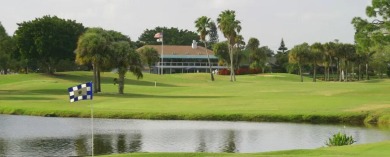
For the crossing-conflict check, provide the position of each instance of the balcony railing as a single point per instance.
(188, 65)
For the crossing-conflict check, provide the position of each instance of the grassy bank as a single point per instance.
(266, 97)
(364, 150)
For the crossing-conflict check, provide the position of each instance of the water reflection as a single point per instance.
(40, 136)
(81, 146)
(230, 144)
(202, 142)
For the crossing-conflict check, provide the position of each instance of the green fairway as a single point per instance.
(365, 150)
(265, 97)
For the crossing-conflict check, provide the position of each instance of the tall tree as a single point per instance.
(372, 37)
(93, 47)
(298, 55)
(330, 49)
(260, 57)
(7, 47)
(202, 25)
(149, 55)
(221, 51)
(213, 34)
(282, 57)
(251, 47)
(253, 44)
(282, 46)
(316, 56)
(124, 57)
(230, 27)
(47, 40)
(238, 53)
(172, 36)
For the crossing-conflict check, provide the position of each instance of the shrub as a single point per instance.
(340, 139)
(224, 72)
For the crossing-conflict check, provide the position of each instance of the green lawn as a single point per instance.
(365, 150)
(265, 97)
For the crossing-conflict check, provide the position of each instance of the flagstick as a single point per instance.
(162, 52)
(92, 126)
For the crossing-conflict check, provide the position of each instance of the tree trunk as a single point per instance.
(325, 68)
(328, 79)
(95, 89)
(339, 69)
(340, 74)
(353, 71)
(231, 62)
(300, 71)
(367, 77)
(359, 72)
(331, 69)
(121, 82)
(314, 73)
(208, 59)
(237, 66)
(346, 71)
(98, 80)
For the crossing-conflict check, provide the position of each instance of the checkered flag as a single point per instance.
(80, 92)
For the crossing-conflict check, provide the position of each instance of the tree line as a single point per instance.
(345, 62)
(51, 44)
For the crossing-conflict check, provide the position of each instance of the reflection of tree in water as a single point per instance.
(135, 142)
(202, 143)
(81, 146)
(121, 143)
(3, 147)
(230, 145)
(102, 144)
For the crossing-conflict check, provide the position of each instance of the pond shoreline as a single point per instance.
(349, 119)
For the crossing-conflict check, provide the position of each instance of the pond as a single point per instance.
(43, 136)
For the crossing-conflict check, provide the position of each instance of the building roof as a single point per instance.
(181, 50)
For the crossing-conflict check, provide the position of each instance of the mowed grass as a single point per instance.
(264, 97)
(380, 149)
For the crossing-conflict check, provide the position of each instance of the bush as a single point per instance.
(340, 139)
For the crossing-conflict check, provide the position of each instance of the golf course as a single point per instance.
(273, 97)
(263, 97)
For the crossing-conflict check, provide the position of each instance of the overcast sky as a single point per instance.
(296, 21)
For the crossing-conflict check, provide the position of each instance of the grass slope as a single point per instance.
(266, 97)
(372, 150)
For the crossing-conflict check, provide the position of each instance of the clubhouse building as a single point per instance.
(183, 59)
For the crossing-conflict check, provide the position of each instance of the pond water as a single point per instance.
(42, 136)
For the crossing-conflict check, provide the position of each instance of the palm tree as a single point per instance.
(330, 51)
(298, 55)
(316, 56)
(251, 47)
(230, 27)
(149, 55)
(122, 58)
(240, 45)
(92, 47)
(203, 28)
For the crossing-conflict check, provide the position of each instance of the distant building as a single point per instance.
(184, 59)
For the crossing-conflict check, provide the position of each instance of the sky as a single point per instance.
(296, 21)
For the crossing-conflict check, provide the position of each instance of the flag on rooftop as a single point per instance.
(80, 92)
(158, 35)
